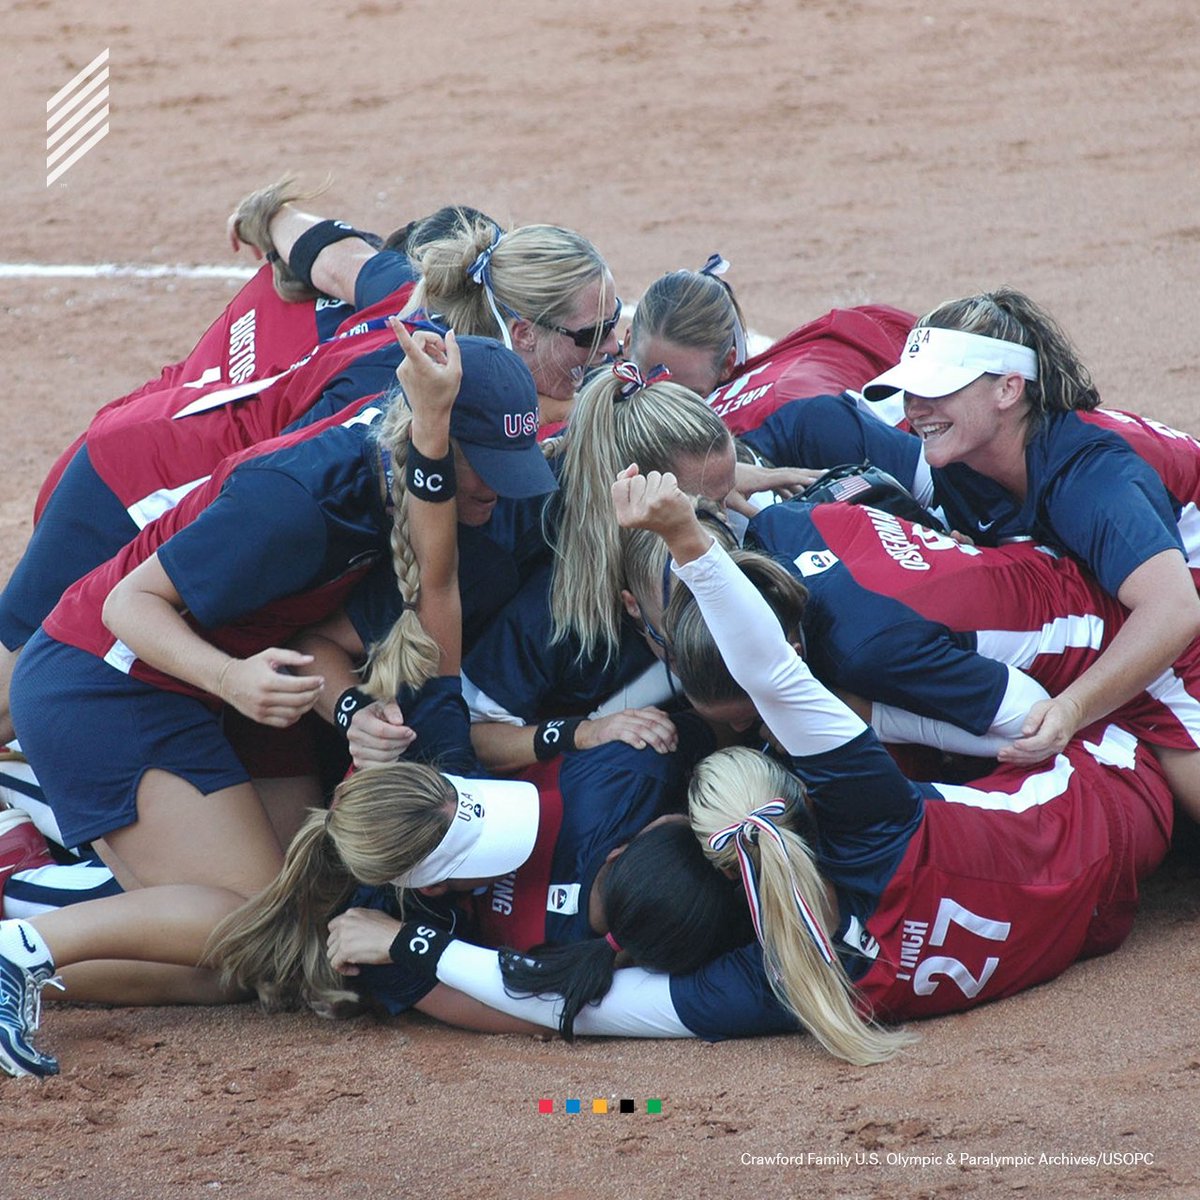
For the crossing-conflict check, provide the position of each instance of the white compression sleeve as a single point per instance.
(899, 726)
(800, 712)
(638, 1004)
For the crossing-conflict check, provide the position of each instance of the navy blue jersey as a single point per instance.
(1090, 495)
(378, 277)
(609, 794)
(487, 580)
(826, 431)
(517, 664)
(866, 642)
(329, 314)
(284, 523)
(438, 715)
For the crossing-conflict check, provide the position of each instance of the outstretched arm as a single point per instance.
(269, 222)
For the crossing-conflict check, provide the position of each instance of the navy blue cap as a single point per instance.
(495, 420)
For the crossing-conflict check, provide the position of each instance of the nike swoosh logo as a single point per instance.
(26, 942)
(984, 526)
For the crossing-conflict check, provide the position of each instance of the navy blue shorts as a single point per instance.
(83, 525)
(91, 732)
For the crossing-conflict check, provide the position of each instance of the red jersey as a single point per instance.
(987, 903)
(1026, 607)
(838, 352)
(512, 912)
(257, 336)
(168, 440)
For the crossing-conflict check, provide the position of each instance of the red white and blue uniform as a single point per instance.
(141, 457)
(948, 896)
(1110, 488)
(884, 594)
(257, 336)
(268, 546)
(838, 352)
(591, 802)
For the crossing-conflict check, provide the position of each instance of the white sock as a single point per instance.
(20, 943)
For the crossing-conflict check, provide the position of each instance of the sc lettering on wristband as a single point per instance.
(430, 479)
(348, 703)
(418, 949)
(555, 737)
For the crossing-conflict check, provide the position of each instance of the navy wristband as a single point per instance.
(430, 479)
(312, 241)
(417, 948)
(348, 703)
(555, 737)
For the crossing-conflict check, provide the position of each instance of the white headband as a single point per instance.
(936, 362)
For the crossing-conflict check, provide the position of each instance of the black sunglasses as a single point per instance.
(590, 335)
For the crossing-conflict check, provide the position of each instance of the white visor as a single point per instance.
(493, 831)
(936, 362)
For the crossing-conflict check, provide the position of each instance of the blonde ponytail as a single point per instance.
(808, 979)
(657, 427)
(384, 821)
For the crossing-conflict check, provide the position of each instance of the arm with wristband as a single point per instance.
(430, 376)
(310, 255)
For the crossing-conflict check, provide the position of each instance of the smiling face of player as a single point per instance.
(474, 499)
(981, 425)
(554, 359)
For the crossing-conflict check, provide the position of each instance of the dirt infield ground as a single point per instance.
(836, 153)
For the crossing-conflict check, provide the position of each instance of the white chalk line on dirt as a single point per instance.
(120, 270)
(755, 342)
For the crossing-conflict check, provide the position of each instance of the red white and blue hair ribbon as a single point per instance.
(715, 267)
(480, 272)
(743, 834)
(633, 380)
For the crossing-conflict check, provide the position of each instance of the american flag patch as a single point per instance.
(845, 489)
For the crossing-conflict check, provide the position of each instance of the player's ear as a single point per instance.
(727, 365)
(523, 334)
(631, 605)
(1011, 391)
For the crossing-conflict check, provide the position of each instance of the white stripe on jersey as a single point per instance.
(1035, 790)
(150, 508)
(1169, 690)
(483, 708)
(1019, 647)
(227, 395)
(1189, 530)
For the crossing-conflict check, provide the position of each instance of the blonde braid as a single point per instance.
(406, 655)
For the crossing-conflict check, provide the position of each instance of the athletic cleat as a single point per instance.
(20, 1014)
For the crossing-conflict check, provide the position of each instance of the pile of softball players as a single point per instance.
(432, 636)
